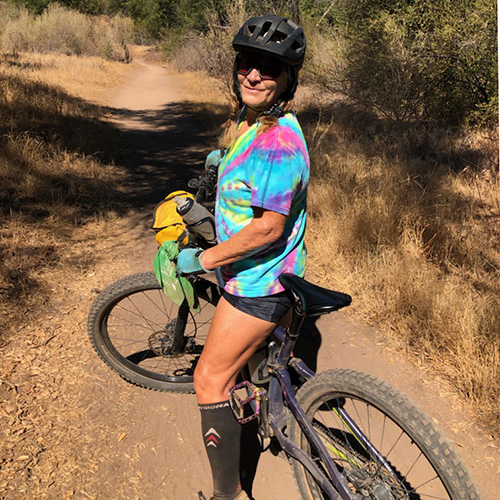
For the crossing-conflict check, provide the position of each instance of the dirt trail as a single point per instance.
(162, 430)
(155, 451)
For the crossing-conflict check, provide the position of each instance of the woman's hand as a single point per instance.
(189, 262)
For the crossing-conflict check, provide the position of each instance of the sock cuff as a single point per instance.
(214, 406)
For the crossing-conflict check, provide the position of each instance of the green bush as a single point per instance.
(430, 60)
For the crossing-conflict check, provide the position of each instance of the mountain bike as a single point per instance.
(347, 434)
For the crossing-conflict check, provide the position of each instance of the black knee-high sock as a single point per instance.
(222, 437)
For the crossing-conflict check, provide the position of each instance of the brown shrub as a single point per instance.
(66, 31)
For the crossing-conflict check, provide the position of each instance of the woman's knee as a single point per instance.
(205, 384)
(198, 380)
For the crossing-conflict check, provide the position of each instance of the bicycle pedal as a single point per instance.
(245, 400)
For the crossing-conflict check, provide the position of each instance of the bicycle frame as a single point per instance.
(280, 390)
(276, 417)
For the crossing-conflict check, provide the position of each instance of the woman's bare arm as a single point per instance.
(265, 228)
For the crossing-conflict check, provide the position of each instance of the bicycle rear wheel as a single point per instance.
(420, 463)
(131, 325)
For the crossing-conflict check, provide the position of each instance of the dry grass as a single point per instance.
(89, 78)
(59, 207)
(408, 222)
(62, 30)
(56, 170)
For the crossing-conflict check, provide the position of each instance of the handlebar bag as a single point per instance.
(167, 223)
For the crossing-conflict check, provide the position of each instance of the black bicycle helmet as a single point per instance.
(277, 36)
(272, 35)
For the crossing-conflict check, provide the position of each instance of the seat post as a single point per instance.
(287, 340)
(296, 323)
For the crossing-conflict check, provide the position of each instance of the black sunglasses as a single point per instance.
(269, 67)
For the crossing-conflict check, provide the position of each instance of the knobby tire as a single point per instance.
(423, 464)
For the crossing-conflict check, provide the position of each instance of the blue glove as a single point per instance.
(188, 262)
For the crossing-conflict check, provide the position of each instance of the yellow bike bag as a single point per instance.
(167, 223)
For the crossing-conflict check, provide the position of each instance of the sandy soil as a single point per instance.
(101, 438)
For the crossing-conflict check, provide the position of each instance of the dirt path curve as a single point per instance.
(155, 451)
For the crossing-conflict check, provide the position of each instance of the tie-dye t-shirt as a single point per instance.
(269, 171)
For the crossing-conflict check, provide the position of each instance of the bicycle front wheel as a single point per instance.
(404, 455)
(131, 325)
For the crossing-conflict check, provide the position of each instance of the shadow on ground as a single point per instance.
(63, 166)
(161, 150)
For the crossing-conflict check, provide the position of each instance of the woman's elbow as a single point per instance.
(271, 232)
(268, 226)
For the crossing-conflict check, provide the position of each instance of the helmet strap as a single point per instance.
(275, 110)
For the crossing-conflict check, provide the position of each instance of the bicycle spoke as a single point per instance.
(140, 328)
(400, 476)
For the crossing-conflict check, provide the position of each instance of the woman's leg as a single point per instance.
(232, 339)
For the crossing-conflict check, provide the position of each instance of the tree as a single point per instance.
(433, 59)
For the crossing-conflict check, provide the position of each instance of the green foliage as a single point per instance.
(430, 60)
(192, 14)
(156, 18)
(150, 16)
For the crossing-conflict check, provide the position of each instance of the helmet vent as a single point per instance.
(279, 37)
(265, 29)
(296, 46)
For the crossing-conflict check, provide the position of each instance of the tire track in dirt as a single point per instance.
(156, 451)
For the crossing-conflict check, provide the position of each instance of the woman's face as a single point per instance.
(258, 90)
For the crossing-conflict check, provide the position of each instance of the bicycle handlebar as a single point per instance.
(207, 185)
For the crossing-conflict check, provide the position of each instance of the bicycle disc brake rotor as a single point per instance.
(161, 342)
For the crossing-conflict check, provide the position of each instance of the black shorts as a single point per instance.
(271, 308)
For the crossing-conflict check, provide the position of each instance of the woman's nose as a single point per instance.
(254, 75)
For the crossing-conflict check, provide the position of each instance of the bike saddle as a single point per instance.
(312, 300)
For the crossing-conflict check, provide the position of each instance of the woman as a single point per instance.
(260, 218)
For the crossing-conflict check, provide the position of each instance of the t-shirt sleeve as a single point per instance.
(275, 169)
